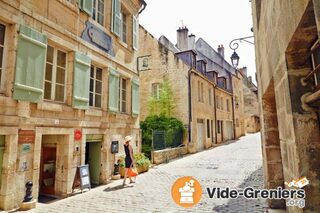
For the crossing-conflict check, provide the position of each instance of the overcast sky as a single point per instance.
(216, 21)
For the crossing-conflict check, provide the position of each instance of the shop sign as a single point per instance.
(26, 136)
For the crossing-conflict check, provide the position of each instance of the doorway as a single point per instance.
(93, 159)
(200, 144)
(47, 170)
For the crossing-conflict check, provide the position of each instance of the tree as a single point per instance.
(165, 105)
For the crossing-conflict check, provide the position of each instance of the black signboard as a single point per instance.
(114, 147)
(82, 178)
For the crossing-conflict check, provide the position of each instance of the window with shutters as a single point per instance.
(135, 32)
(2, 39)
(95, 89)
(123, 95)
(156, 87)
(98, 11)
(124, 27)
(116, 17)
(135, 98)
(114, 84)
(55, 75)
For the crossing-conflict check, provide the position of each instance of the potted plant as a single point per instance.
(142, 163)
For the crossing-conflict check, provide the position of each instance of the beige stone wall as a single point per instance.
(252, 124)
(164, 65)
(290, 128)
(162, 156)
(238, 105)
(222, 113)
(54, 120)
(201, 111)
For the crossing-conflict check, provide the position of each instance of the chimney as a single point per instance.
(244, 71)
(221, 50)
(182, 38)
(191, 42)
(250, 79)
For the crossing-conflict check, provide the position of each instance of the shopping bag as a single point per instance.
(132, 172)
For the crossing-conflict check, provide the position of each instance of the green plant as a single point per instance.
(139, 158)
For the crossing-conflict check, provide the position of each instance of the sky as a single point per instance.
(216, 21)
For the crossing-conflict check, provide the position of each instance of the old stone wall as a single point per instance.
(162, 156)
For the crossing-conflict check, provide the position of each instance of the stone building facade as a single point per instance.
(69, 87)
(204, 97)
(287, 60)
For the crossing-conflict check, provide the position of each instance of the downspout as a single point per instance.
(215, 113)
(189, 100)
(233, 109)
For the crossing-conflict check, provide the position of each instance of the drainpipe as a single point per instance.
(233, 109)
(215, 114)
(189, 100)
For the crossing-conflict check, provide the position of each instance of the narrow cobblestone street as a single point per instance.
(236, 164)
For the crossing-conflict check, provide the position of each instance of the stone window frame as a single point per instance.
(53, 80)
(155, 90)
(123, 101)
(200, 92)
(94, 79)
(98, 12)
(4, 56)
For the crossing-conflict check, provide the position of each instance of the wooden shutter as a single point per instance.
(30, 65)
(116, 17)
(135, 98)
(114, 90)
(81, 78)
(87, 6)
(135, 32)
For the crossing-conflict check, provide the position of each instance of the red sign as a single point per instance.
(26, 136)
(77, 134)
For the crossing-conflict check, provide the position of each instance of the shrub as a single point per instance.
(139, 158)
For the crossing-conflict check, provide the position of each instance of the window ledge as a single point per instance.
(93, 112)
(49, 107)
(122, 43)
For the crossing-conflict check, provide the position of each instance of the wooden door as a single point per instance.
(48, 170)
(94, 161)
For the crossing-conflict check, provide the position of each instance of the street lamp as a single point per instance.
(234, 44)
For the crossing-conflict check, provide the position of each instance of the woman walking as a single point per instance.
(129, 161)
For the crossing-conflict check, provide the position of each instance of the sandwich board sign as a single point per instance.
(82, 178)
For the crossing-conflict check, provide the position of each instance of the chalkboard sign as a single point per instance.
(82, 178)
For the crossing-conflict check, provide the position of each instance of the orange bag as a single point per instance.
(132, 172)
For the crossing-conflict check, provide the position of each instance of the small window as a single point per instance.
(2, 39)
(95, 87)
(156, 90)
(55, 75)
(208, 128)
(123, 95)
(124, 27)
(98, 11)
(210, 96)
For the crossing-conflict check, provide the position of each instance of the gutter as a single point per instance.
(215, 114)
(189, 100)
(233, 110)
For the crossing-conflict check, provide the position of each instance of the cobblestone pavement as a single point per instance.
(236, 164)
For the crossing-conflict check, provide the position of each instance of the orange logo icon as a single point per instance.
(186, 192)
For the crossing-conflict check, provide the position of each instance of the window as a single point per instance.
(210, 96)
(200, 92)
(315, 56)
(123, 95)
(124, 27)
(55, 75)
(156, 90)
(2, 37)
(218, 102)
(95, 91)
(212, 131)
(208, 128)
(218, 127)
(98, 11)
(228, 105)
(221, 103)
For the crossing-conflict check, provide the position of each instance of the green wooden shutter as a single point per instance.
(30, 65)
(135, 32)
(81, 78)
(116, 17)
(87, 6)
(114, 90)
(135, 97)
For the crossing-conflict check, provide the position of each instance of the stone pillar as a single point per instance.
(272, 161)
(36, 164)
(8, 198)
